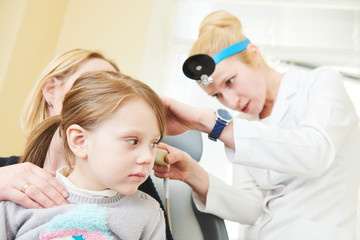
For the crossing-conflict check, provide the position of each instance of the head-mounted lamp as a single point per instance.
(200, 66)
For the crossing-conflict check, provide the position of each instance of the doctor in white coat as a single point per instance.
(296, 166)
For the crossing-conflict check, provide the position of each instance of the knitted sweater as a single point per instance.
(136, 216)
(147, 187)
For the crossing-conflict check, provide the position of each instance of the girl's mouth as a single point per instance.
(137, 176)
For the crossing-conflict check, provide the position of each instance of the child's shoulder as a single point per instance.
(145, 198)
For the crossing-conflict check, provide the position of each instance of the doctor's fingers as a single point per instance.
(179, 159)
(161, 171)
(163, 146)
(174, 154)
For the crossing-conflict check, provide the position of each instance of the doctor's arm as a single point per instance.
(182, 117)
(241, 202)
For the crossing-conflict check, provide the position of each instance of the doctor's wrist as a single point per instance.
(198, 180)
(207, 119)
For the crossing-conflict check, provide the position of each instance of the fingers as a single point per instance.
(163, 146)
(22, 199)
(161, 171)
(168, 148)
(61, 190)
(30, 186)
(38, 196)
(45, 189)
(165, 100)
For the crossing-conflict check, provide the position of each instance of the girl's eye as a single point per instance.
(132, 141)
(230, 81)
(153, 144)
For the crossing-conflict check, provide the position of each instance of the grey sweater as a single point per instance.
(136, 216)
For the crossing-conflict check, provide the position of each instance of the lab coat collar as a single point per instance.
(288, 87)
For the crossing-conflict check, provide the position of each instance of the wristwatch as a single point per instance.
(223, 119)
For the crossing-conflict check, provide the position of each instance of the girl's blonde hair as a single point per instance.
(61, 68)
(93, 98)
(219, 30)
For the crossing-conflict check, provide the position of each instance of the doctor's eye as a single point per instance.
(132, 141)
(216, 95)
(230, 81)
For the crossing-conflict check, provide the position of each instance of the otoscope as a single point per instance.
(160, 159)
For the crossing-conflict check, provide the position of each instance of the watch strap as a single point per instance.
(217, 130)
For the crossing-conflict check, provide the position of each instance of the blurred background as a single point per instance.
(149, 40)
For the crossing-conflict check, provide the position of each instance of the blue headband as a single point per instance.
(231, 50)
(200, 66)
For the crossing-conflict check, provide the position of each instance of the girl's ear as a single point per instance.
(49, 88)
(76, 138)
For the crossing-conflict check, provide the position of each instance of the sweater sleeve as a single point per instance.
(149, 188)
(156, 229)
(7, 229)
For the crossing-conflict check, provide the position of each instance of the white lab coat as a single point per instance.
(297, 172)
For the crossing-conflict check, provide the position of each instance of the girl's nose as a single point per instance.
(146, 156)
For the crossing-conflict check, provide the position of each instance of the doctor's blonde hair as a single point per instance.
(219, 30)
(93, 98)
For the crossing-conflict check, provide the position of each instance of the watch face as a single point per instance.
(224, 114)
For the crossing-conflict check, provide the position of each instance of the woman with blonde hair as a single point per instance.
(109, 150)
(45, 100)
(295, 165)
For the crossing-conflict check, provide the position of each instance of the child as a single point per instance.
(109, 125)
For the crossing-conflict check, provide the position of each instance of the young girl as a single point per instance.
(109, 126)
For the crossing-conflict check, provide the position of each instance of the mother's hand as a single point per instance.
(30, 186)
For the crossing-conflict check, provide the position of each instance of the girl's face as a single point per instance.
(121, 150)
(238, 86)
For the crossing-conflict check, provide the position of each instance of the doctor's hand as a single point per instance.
(181, 117)
(180, 164)
(183, 168)
(30, 186)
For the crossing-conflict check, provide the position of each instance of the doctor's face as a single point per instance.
(238, 86)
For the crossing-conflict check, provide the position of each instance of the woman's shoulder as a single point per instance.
(295, 72)
(326, 77)
(326, 72)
